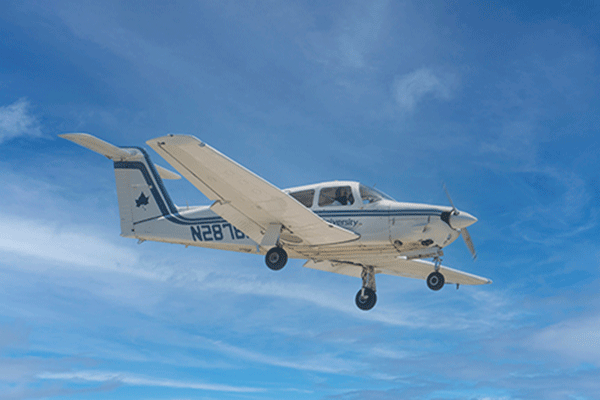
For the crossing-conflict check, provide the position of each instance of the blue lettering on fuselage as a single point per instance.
(216, 232)
(344, 223)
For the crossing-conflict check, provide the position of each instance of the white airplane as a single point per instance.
(342, 226)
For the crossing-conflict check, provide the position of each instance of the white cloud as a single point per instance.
(411, 88)
(576, 339)
(16, 120)
(135, 380)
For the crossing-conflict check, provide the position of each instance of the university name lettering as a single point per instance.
(345, 223)
(216, 232)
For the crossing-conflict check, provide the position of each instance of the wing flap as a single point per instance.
(239, 220)
(244, 195)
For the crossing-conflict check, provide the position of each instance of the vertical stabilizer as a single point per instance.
(139, 191)
(141, 194)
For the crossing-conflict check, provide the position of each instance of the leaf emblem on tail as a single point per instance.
(142, 200)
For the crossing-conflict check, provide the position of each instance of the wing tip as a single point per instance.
(73, 135)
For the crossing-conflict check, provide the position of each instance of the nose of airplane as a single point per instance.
(462, 220)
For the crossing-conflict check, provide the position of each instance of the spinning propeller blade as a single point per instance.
(463, 231)
(454, 210)
(467, 238)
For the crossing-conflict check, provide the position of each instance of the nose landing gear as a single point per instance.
(366, 297)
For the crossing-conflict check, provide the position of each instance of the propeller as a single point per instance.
(468, 219)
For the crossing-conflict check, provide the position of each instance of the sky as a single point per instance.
(499, 100)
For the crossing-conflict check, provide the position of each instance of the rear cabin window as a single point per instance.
(336, 196)
(305, 197)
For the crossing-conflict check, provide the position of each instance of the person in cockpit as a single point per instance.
(343, 197)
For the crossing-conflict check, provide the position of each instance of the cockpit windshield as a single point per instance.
(371, 195)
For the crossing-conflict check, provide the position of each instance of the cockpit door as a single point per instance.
(374, 218)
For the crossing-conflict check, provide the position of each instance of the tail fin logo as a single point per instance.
(142, 200)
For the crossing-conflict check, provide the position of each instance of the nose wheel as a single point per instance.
(366, 297)
(276, 258)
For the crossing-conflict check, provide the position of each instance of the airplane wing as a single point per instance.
(252, 204)
(419, 269)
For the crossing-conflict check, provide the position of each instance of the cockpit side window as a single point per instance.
(336, 196)
(370, 195)
(305, 197)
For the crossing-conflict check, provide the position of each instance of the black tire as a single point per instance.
(276, 258)
(367, 301)
(435, 281)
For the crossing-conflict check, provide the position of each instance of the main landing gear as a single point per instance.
(276, 258)
(435, 280)
(366, 297)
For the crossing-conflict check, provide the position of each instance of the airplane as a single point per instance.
(343, 227)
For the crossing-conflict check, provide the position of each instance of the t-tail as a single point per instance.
(141, 193)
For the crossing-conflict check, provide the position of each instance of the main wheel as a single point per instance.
(367, 300)
(276, 258)
(435, 281)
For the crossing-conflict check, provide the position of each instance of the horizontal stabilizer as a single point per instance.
(113, 152)
(165, 173)
(101, 147)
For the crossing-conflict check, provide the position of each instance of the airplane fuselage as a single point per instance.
(409, 229)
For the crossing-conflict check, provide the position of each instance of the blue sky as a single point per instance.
(498, 100)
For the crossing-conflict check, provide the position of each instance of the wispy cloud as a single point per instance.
(575, 339)
(412, 88)
(55, 243)
(322, 363)
(16, 120)
(136, 380)
(351, 37)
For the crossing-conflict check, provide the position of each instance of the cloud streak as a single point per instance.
(136, 380)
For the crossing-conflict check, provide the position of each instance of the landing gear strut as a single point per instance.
(366, 297)
(276, 258)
